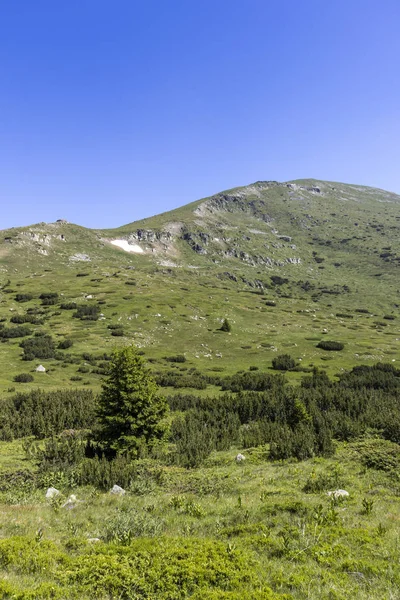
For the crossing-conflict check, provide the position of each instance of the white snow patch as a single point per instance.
(125, 245)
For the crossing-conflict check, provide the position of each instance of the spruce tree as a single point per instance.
(226, 326)
(130, 408)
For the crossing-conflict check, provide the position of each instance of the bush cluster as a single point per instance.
(43, 414)
(283, 362)
(39, 346)
(87, 312)
(327, 345)
(7, 333)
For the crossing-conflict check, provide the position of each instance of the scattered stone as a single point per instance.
(117, 490)
(52, 492)
(93, 540)
(71, 502)
(339, 494)
(78, 257)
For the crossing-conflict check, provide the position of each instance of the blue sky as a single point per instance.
(114, 110)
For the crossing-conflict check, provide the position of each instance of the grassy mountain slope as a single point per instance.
(327, 254)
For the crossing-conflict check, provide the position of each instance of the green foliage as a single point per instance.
(42, 414)
(258, 382)
(130, 409)
(368, 505)
(283, 362)
(23, 378)
(7, 333)
(48, 296)
(226, 326)
(179, 358)
(128, 523)
(87, 312)
(59, 453)
(65, 344)
(277, 280)
(24, 297)
(193, 379)
(27, 318)
(118, 332)
(68, 305)
(378, 454)
(329, 345)
(39, 346)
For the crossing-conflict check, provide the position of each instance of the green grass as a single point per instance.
(277, 535)
(223, 530)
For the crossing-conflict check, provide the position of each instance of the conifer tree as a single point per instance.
(226, 326)
(130, 408)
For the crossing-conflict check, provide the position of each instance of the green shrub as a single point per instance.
(329, 345)
(87, 312)
(379, 454)
(40, 346)
(226, 326)
(68, 305)
(41, 414)
(277, 280)
(117, 332)
(65, 344)
(283, 362)
(28, 318)
(179, 358)
(23, 297)
(14, 332)
(23, 378)
(129, 523)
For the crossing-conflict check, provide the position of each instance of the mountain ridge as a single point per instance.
(285, 263)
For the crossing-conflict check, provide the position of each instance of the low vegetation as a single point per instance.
(255, 430)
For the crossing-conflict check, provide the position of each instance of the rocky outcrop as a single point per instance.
(150, 235)
(194, 239)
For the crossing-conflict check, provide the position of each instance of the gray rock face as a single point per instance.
(194, 239)
(149, 235)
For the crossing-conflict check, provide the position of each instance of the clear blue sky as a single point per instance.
(113, 110)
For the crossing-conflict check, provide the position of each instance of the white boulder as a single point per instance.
(117, 490)
(40, 369)
(240, 458)
(339, 494)
(52, 492)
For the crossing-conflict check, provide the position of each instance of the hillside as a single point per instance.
(269, 316)
(288, 264)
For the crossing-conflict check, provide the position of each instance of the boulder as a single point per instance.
(40, 369)
(117, 490)
(71, 502)
(240, 458)
(52, 492)
(339, 494)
